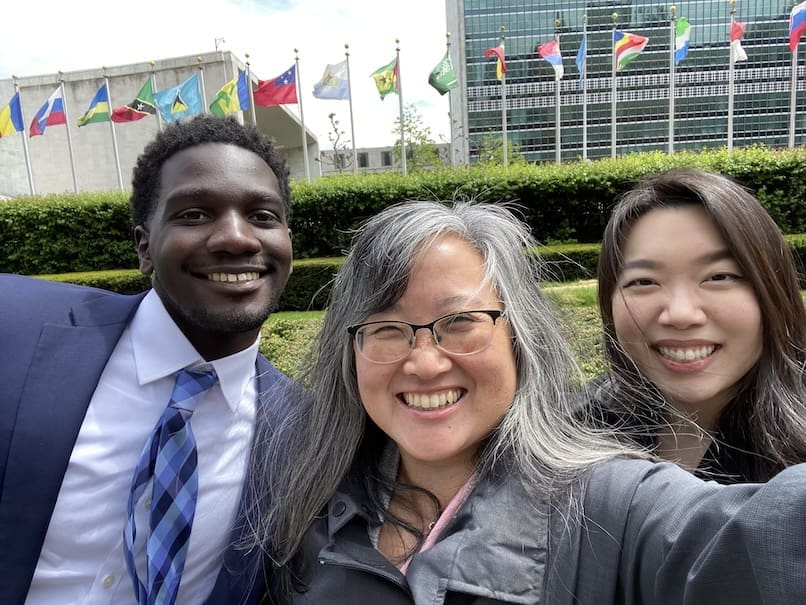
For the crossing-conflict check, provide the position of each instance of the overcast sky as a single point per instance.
(50, 35)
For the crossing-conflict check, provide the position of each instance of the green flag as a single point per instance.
(386, 78)
(442, 77)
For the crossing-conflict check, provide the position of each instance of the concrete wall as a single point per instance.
(93, 150)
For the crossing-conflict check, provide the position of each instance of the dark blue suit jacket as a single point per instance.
(55, 340)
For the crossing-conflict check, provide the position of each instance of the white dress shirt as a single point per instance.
(82, 557)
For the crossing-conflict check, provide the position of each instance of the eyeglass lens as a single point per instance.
(460, 334)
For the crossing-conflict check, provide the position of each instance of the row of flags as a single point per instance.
(185, 99)
(173, 103)
(627, 46)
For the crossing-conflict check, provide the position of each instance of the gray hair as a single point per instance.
(539, 439)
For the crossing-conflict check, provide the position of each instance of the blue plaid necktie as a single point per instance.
(169, 458)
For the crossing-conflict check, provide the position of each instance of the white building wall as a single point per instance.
(375, 160)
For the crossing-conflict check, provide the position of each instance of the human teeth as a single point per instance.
(688, 354)
(431, 401)
(233, 277)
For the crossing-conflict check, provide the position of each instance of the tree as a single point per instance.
(491, 151)
(421, 149)
(342, 158)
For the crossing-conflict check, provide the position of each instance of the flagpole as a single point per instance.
(793, 95)
(302, 118)
(112, 129)
(25, 140)
(350, 101)
(399, 87)
(251, 90)
(201, 84)
(557, 141)
(67, 127)
(614, 17)
(154, 88)
(502, 29)
(450, 113)
(731, 67)
(672, 41)
(585, 89)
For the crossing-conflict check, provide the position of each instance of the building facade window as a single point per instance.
(363, 160)
(386, 158)
(761, 83)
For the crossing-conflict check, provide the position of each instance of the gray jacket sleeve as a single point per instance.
(684, 541)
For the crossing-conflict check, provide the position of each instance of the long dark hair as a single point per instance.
(768, 416)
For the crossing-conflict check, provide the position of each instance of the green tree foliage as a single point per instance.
(491, 151)
(421, 149)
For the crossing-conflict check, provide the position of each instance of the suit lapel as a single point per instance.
(62, 377)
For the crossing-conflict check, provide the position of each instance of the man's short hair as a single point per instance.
(190, 133)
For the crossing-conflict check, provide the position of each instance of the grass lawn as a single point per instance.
(287, 335)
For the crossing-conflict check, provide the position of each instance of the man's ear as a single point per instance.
(141, 242)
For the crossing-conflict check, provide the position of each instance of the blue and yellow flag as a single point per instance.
(11, 117)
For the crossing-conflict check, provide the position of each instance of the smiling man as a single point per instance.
(126, 422)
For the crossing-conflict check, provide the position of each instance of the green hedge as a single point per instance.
(560, 202)
(69, 232)
(307, 289)
(309, 285)
(569, 202)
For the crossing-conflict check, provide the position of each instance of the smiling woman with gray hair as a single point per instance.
(440, 462)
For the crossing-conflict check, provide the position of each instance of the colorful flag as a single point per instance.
(582, 58)
(11, 117)
(386, 78)
(334, 83)
(443, 77)
(142, 106)
(282, 90)
(550, 51)
(797, 25)
(180, 101)
(98, 110)
(50, 114)
(626, 47)
(233, 96)
(736, 33)
(682, 32)
(500, 64)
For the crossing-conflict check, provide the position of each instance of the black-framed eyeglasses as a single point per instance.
(460, 333)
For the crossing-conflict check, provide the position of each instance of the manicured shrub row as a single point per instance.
(309, 285)
(560, 202)
(67, 232)
(307, 288)
(570, 202)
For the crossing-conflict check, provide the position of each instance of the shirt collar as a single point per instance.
(161, 349)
